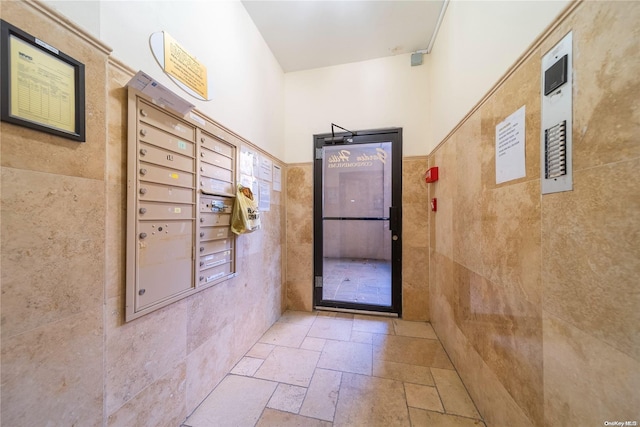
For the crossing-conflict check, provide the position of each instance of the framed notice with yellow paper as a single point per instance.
(42, 88)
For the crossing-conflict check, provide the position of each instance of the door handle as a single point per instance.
(393, 218)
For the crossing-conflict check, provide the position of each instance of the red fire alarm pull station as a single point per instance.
(431, 175)
(434, 204)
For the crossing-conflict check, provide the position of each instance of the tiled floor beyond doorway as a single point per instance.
(363, 281)
(334, 369)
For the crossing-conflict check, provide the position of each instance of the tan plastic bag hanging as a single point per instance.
(245, 217)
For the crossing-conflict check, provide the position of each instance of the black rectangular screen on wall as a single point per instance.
(556, 75)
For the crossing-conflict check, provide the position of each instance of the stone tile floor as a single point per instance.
(337, 369)
(364, 281)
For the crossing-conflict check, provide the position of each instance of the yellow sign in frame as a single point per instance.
(183, 66)
(42, 87)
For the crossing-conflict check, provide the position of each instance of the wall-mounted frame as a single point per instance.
(42, 88)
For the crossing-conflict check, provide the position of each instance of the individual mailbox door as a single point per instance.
(211, 219)
(158, 156)
(160, 119)
(220, 133)
(163, 175)
(166, 211)
(213, 246)
(216, 204)
(150, 135)
(214, 260)
(215, 172)
(215, 186)
(213, 233)
(215, 273)
(213, 144)
(165, 260)
(163, 193)
(216, 159)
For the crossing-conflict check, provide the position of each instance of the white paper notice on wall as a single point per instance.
(510, 147)
(249, 182)
(246, 161)
(277, 178)
(264, 202)
(266, 169)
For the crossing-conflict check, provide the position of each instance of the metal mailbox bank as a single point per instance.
(181, 180)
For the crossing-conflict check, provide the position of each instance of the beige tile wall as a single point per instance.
(535, 297)
(299, 237)
(415, 240)
(68, 358)
(52, 255)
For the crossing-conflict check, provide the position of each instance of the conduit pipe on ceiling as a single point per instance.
(435, 30)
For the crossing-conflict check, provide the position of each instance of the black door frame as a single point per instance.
(393, 135)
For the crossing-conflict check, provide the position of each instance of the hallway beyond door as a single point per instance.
(363, 281)
(335, 369)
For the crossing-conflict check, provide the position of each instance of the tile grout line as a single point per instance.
(444, 410)
(372, 376)
(265, 405)
(406, 402)
(465, 389)
(335, 409)
(311, 380)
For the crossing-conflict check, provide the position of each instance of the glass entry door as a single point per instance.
(357, 246)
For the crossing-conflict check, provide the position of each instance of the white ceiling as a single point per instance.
(312, 34)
